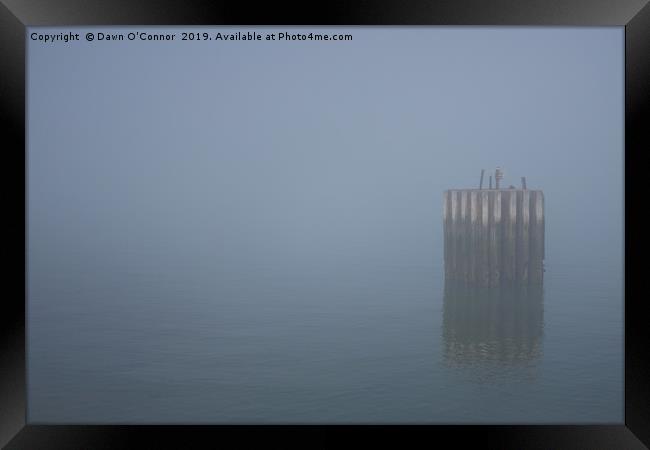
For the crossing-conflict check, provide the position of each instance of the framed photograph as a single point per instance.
(374, 217)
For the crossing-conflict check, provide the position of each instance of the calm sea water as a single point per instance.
(166, 334)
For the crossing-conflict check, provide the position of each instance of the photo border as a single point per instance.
(16, 15)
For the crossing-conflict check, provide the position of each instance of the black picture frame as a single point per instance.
(16, 15)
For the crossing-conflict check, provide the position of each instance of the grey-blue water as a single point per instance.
(252, 232)
(157, 337)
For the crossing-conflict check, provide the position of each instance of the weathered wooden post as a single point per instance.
(536, 267)
(494, 237)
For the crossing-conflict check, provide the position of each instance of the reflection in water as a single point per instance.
(500, 325)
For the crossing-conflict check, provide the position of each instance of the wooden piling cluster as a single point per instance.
(494, 237)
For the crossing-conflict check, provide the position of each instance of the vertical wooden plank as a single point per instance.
(536, 271)
(474, 235)
(453, 208)
(458, 237)
(495, 237)
(535, 255)
(521, 241)
(484, 264)
(445, 231)
(466, 251)
(518, 230)
(509, 219)
(540, 211)
(490, 240)
(525, 238)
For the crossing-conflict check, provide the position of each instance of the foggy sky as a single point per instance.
(282, 151)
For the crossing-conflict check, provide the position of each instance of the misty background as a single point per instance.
(252, 231)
